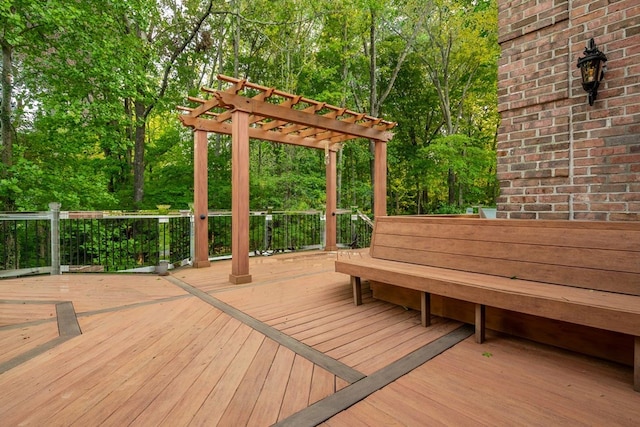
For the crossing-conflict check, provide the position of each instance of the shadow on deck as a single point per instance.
(289, 348)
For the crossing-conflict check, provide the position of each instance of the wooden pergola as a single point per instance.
(246, 110)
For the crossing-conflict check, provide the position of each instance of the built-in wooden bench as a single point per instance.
(581, 272)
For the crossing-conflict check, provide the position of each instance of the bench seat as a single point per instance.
(598, 309)
(419, 253)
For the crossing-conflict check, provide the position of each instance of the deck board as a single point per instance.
(75, 356)
(153, 353)
(121, 401)
(241, 405)
(15, 342)
(19, 311)
(268, 404)
(296, 396)
(508, 381)
(222, 392)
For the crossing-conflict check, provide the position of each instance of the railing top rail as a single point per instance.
(17, 216)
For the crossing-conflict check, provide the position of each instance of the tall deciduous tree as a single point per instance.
(458, 48)
(24, 26)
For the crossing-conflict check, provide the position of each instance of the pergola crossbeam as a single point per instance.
(257, 133)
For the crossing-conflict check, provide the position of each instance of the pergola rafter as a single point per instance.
(247, 110)
(272, 120)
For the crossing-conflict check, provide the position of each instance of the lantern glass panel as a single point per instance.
(590, 71)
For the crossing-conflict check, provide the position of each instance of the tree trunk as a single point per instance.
(451, 181)
(6, 147)
(373, 98)
(138, 156)
(5, 112)
(339, 179)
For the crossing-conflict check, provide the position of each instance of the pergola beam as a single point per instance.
(257, 133)
(277, 112)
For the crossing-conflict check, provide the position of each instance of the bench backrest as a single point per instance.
(587, 254)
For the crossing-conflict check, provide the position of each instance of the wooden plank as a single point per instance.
(31, 353)
(312, 330)
(480, 323)
(480, 403)
(386, 336)
(15, 342)
(326, 408)
(322, 385)
(13, 312)
(78, 352)
(240, 199)
(182, 397)
(625, 282)
(286, 297)
(290, 313)
(255, 133)
(636, 364)
(211, 410)
(331, 170)
(296, 396)
(341, 383)
(78, 366)
(500, 223)
(200, 199)
(367, 324)
(406, 346)
(425, 309)
(398, 345)
(238, 411)
(511, 374)
(366, 414)
(380, 179)
(543, 253)
(111, 389)
(590, 308)
(277, 112)
(317, 324)
(315, 356)
(67, 322)
(407, 403)
(267, 407)
(126, 403)
(579, 235)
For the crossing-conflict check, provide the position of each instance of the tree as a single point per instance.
(25, 26)
(459, 48)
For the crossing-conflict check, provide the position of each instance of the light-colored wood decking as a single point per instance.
(192, 349)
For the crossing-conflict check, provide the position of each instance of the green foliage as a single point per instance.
(93, 73)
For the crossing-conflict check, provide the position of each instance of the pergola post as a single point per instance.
(200, 199)
(240, 198)
(331, 219)
(380, 180)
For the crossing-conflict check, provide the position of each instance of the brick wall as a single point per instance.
(558, 157)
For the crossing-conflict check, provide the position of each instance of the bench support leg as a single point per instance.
(636, 365)
(480, 319)
(425, 308)
(356, 283)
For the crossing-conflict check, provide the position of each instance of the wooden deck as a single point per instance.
(289, 348)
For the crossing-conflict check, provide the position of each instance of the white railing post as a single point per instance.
(323, 229)
(54, 211)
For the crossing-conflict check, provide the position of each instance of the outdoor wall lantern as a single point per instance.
(592, 69)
